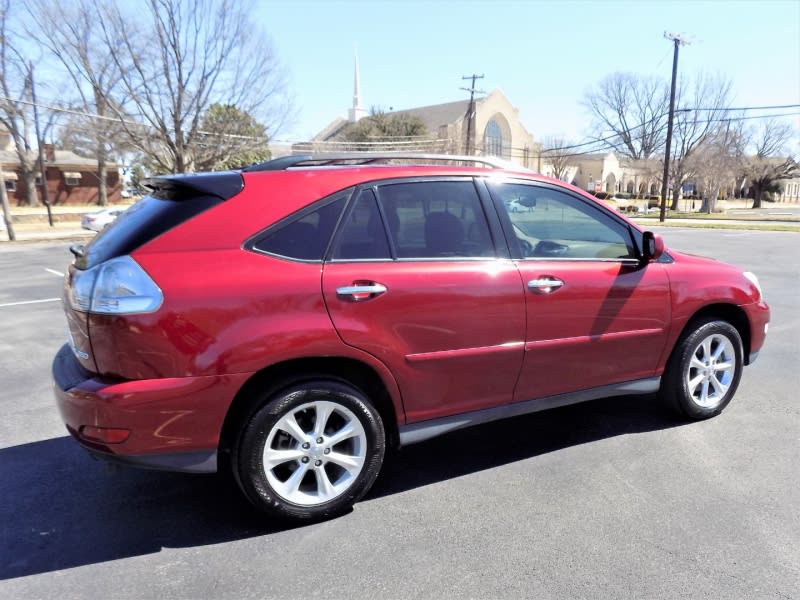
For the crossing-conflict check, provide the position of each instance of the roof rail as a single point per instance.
(326, 159)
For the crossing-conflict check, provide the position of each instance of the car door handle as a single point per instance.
(545, 284)
(361, 291)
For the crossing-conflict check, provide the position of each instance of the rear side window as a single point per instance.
(305, 237)
(363, 234)
(416, 220)
(436, 219)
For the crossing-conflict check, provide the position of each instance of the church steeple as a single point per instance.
(358, 111)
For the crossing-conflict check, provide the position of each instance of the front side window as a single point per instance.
(550, 224)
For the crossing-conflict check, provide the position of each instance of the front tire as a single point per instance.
(704, 370)
(311, 451)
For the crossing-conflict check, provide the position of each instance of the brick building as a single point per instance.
(71, 179)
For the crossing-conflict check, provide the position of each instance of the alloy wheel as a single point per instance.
(711, 370)
(314, 453)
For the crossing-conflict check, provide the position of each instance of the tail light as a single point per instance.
(116, 287)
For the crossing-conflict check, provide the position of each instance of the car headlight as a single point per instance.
(751, 277)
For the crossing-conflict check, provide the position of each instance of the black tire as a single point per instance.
(309, 479)
(704, 370)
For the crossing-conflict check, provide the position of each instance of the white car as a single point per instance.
(97, 221)
(515, 205)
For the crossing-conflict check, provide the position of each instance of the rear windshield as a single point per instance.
(142, 222)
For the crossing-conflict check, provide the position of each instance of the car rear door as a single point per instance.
(416, 278)
(595, 315)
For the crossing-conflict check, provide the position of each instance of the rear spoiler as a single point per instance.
(222, 185)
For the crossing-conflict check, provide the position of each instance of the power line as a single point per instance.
(724, 119)
(89, 115)
(746, 108)
(598, 144)
(616, 136)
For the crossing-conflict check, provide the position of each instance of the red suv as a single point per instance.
(291, 321)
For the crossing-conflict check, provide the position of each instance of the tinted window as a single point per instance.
(305, 237)
(549, 223)
(142, 222)
(362, 234)
(435, 219)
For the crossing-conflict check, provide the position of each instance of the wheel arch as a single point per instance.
(281, 375)
(730, 313)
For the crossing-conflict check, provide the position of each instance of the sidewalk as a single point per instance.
(31, 224)
(42, 232)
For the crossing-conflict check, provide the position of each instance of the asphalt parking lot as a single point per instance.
(609, 499)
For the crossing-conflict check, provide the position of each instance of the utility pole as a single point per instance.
(471, 111)
(40, 143)
(6, 209)
(678, 41)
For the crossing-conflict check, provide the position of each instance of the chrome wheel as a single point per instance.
(711, 370)
(704, 369)
(314, 453)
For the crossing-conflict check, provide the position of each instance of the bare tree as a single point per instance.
(770, 161)
(187, 55)
(717, 161)
(557, 153)
(14, 114)
(634, 109)
(710, 97)
(73, 35)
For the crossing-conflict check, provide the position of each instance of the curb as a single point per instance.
(24, 237)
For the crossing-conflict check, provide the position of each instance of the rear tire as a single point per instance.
(311, 451)
(704, 370)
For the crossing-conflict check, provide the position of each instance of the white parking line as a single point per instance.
(56, 273)
(30, 302)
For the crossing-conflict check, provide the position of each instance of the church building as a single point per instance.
(496, 130)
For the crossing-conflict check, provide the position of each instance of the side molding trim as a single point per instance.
(425, 430)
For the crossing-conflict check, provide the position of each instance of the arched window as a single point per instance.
(493, 139)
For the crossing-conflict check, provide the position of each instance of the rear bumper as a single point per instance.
(184, 462)
(173, 423)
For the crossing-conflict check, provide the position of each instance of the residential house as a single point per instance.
(71, 179)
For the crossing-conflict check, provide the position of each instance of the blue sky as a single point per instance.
(543, 54)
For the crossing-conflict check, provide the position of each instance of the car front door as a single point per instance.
(415, 278)
(595, 315)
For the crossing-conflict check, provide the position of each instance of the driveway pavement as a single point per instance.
(609, 499)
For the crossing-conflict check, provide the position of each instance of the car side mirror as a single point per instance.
(652, 246)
